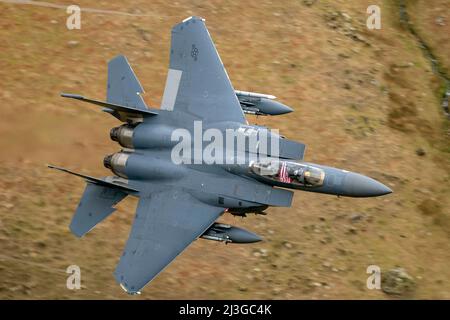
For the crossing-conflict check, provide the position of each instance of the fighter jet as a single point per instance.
(183, 184)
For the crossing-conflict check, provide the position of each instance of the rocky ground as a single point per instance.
(364, 100)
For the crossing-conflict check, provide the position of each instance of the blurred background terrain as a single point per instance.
(365, 100)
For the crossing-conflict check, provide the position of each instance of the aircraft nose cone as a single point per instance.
(358, 185)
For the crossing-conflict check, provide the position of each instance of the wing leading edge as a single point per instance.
(197, 82)
(161, 230)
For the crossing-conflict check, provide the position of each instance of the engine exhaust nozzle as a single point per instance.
(117, 163)
(123, 135)
(107, 161)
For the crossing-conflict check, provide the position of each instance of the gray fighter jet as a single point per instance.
(183, 191)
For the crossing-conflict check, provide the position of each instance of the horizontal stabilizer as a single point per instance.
(119, 111)
(95, 205)
(101, 182)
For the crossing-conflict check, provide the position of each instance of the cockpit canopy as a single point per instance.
(289, 172)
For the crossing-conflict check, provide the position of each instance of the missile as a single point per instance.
(260, 104)
(227, 233)
(249, 94)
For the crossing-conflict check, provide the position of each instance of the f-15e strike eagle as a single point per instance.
(181, 199)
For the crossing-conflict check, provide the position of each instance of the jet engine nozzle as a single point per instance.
(117, 162)
(107, 161)
(123, 135)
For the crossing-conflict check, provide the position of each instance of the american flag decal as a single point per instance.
(284, 176)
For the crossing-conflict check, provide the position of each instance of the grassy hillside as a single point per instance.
(364, 100)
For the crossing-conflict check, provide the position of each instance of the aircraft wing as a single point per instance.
(163, 227)
(197, 82)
